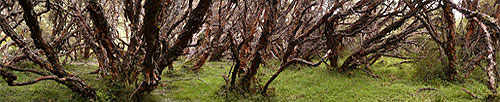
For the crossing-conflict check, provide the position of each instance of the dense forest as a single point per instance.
(249, 50)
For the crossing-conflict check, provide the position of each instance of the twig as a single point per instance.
(93, 72)
(470, 93)
(203, 81)
(424, 89)
(402, 62)
(135, 92)
(178, 80)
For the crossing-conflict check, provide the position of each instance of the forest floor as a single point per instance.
(299, 83)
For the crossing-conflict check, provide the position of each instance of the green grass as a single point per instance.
(396, 83)
(43, 91)
(302, 83)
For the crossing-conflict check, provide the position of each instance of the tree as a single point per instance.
(130, 38)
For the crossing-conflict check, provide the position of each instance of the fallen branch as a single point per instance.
(93, 72)
(402, 62)
(470, 93)
(55, 78)
(400, 57)
(367, 71)
(185, 79)
(424, 89)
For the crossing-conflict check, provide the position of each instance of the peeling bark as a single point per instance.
(492, 64)
(449, 33)
(270, 16)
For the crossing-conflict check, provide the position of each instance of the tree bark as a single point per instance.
(104, 37)
(55, 66)
(490, 69)
(151, 35)
(152, 73)
(450, 40)
(197, 66)
(471, 27)
(235, 50)
(270, 15)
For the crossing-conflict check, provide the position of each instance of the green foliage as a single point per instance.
(187, 65)
(432, 66)
(114, 92)
(429, 68)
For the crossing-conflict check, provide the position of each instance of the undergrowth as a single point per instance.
(298, 83)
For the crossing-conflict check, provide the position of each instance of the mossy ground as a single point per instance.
(300, 83)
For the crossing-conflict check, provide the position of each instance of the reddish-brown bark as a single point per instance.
(151, 34)
(471, 27)
(197, 66)
(450, 40)
(270, 16)
(152, 71)
(52, 64)
(104, 36)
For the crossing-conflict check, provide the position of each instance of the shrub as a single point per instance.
(430, 67)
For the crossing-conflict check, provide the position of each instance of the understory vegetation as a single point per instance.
(301, 83)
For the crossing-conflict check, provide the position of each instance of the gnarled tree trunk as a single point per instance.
(270, 16)
(152, 71)
(449, 33)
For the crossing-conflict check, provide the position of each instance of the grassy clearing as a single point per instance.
(301, 83)
(396, 83)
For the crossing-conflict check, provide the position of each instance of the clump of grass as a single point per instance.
(428, 69)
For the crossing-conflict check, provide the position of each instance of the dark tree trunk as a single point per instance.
(152, 73)
(450, 40)
(104, 37)
(197, 66)
(217, 54)
(55, 66)
(151, 35)
(235, 50)
(471, 27)
(334, 44)
(369, 42)
(267, 31)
